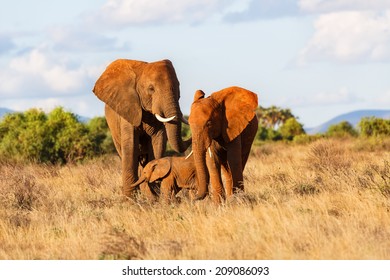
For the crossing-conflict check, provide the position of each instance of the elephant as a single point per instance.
(142, 112)
(225, 125)
(175, 173)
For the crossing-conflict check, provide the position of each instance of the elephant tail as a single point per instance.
(140, 181)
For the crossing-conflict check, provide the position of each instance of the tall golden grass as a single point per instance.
(326, 200)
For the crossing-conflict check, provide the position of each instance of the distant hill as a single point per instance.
(352, 117)
(4, 111)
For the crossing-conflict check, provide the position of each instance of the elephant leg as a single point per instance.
(130, 154)
(158, 144)
(235, 164)
(167, 190)
(247, 138)
(214, 168)
(148, 190)
(228, 180)
(154, 147)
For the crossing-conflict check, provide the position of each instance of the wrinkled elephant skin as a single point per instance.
(224, 123)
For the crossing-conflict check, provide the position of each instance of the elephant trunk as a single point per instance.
(173, 129)
(140, 181)
(202, 173)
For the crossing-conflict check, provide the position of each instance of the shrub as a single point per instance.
(291, 128)
(57, 137)
(185, 129)
(373, 127)
(328, 156)
(304, 139)
(342, 129)
(23, 135)
(267, 134)
(100, 136)
(68, 137)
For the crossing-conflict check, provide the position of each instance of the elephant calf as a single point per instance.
(174, 173)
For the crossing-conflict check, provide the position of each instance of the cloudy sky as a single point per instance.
(320, 58)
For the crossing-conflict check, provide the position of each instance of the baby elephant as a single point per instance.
(174, 173)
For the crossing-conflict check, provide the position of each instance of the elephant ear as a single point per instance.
(160, 169)
(239, 109)
(199, 94)
(116, 88)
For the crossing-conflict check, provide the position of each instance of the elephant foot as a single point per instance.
(200, 196)
(148, 193)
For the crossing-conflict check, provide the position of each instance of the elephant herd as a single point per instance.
(143, 114)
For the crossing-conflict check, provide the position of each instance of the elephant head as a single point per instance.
(136, 89)
(155, 170)
(220, 117)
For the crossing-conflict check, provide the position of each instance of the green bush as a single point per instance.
(185, 130)
(342, 129)
(304, 139)
(267, 134)
(374, 127)
(291, 128)
(68, 137)
(23, 135)
(57, 137)
(100, 136)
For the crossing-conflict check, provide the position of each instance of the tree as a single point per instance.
(68, 137)
(100, 136)
(273, 116)
(23, 135)
(291, 128)
(57, 137)
(276, 123)
(341, 129)
(374, 127)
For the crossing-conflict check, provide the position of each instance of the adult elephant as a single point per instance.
(225, 124)
(142, 112)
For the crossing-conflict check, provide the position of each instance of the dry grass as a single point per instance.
(326, 200)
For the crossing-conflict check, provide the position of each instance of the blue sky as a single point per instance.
(320, 58)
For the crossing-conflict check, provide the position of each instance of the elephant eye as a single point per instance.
(208, 124)
(151, 89)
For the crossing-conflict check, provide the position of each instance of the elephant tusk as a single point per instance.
(210, 153)
(164, 120)
(190, 154)
(184, 120)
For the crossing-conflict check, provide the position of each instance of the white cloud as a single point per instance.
(349, 37)
(38, 73)
(265, 9)
(270, 9)
(326, 6)
(79, 39)
(128, 12)
(341, 96)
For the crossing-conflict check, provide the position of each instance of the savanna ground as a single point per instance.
(329, 199)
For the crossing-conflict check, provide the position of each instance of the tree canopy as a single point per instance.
(56, 137)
